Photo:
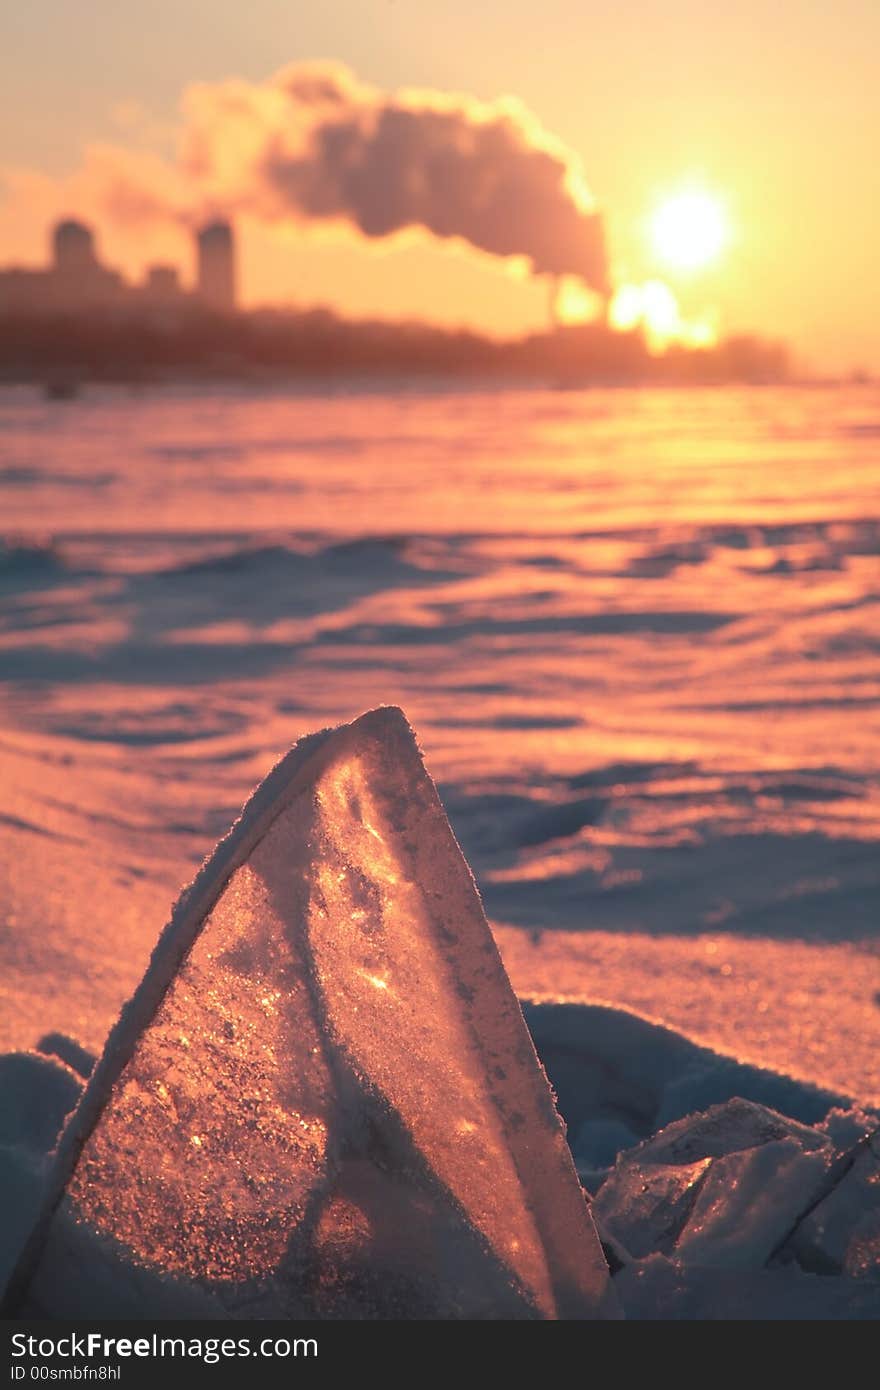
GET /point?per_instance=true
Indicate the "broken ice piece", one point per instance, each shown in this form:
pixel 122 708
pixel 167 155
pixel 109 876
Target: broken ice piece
pixel 724 1129
pixel 644 1206
pixel 660 1288
pixel 694 1174
pixel 842 1233
pixel 322 1100
pixel 749 1202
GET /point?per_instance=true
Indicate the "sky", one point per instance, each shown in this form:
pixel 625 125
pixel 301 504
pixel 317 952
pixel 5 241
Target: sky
pixel 771 107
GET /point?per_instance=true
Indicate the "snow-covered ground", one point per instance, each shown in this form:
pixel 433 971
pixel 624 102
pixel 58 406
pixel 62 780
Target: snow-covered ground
pixel 637 634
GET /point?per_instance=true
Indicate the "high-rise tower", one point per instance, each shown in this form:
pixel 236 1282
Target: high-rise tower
pixel 215 279
pixel 73 247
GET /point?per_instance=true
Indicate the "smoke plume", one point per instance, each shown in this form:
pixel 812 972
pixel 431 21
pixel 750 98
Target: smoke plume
pixel 315 145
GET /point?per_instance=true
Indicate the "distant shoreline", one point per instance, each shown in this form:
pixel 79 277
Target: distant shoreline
pixel 268 346
pixel 385 382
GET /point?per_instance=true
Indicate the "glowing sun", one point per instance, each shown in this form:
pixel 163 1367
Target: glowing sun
pixel 689 231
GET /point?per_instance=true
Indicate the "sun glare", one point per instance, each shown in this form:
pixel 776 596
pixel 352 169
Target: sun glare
pixel 689 231
pixel 653 307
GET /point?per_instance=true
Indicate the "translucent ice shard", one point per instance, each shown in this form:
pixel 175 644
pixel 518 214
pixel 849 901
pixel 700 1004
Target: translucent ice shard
pixel 722 1188
pixel 644 1206
pixel 749 1202
pixel 322 1100
pixel 841 1234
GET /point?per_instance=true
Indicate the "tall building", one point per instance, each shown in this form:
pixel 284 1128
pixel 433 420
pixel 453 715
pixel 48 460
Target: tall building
pixel 73 247
pixel 215 280
pixel 76 279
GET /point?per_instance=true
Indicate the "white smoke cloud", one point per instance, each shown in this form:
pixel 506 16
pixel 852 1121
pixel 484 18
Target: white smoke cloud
pixel 316 146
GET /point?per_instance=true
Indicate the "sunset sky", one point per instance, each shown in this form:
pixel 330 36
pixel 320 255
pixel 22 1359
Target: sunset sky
pixel 770 109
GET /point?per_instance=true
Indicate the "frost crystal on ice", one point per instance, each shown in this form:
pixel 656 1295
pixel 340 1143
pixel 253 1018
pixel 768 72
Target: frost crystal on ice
pixel 323 1100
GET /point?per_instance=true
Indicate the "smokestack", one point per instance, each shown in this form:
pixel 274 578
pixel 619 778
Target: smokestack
pixel 215 279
